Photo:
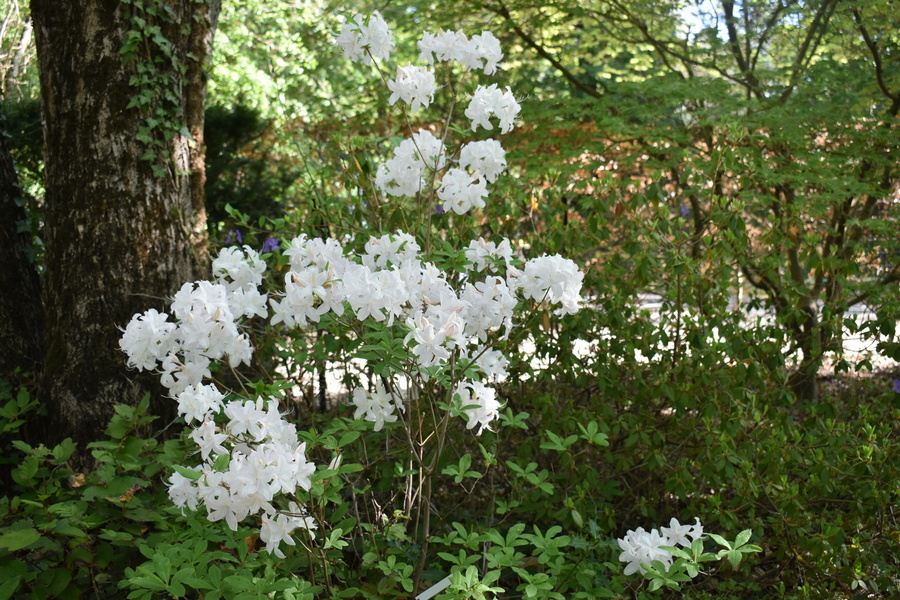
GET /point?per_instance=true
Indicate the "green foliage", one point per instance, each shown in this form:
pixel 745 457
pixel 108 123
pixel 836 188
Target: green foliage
pixel 241 168
pixel 159 72
pixel 68 534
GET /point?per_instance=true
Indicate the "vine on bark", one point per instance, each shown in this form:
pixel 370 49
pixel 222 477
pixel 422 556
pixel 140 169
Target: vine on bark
pixel 159 77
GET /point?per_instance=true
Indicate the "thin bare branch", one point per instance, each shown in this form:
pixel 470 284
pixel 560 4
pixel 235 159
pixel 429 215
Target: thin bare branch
pixel 501 10
pixel 872 45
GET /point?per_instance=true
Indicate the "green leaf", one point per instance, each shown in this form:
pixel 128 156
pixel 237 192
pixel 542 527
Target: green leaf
pixel 742 538
pixel 19 538
pixel 221 463
pixel 9 587
pixel 189 473
pixel 64 450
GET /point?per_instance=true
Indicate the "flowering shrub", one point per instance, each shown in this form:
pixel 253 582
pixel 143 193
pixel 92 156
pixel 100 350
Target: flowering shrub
pixel 431 320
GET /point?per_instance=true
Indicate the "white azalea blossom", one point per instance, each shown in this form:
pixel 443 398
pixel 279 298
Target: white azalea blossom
pixel 484 158
pixel 479 403
pixel 238 269
pixel 404 173
pixel 148 339
pixel 553 279
pixel 640 547
pixel 413 85
pixel 377 406
pixel 461 192
pixel 198 401
pixel 490 102
pixel 480 52
pixel 357 36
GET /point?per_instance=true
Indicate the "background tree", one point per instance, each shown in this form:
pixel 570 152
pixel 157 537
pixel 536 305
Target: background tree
pixel 770 126
pixel 122 98
pixel 20 308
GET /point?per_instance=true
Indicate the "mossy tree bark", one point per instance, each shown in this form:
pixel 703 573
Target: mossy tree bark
pixel 120 237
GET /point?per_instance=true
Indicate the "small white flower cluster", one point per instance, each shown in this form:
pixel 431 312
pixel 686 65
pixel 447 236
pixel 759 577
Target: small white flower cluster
pixel 360 35
pixel 640 548
pixel 414 85
pixel 481 52
pixel 479 403
pixel 490 101
pixel 555 280
pixel 464 187
pixel 376 407
pixel 404 173
pixel 206 327
pixel 264 459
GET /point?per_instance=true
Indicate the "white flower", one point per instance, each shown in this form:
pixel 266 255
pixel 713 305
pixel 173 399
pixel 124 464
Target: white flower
pixel 682 535
pixel 492 363
pixel 183 491
pixel 208 440
pixel 553 279
pixel 482 403
pixel 489 101
pixel 487 47
pixel 376 407
pixel 403 174
pixel 246 417
pixel 446 45
pixel 491 305
pixel 239 270
pixel 357 36
pixel 178 375
pixel 431 339
pixel 390 250
pixel 147 339
pixel 479 250
pixel 247 303
pixel 640 548
pixel 198 401
pixel 481 52
pixel 277 529
pixel 461 192
pixel 413 85
pixel 485 158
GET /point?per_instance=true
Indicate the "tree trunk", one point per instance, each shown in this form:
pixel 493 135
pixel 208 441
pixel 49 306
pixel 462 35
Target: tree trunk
pixel 122 233
pixel 804 381
pixel 21 315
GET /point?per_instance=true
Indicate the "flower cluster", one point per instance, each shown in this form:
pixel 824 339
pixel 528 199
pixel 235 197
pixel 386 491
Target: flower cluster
pixel 377 406
pixel 390 282
pixel 480 52
pixel 464 187
pixel 404 173
pixel 414 85
pixel 361 34
pixel 490 101
pixel 206 328
pixel 264 459
pixel 640 548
